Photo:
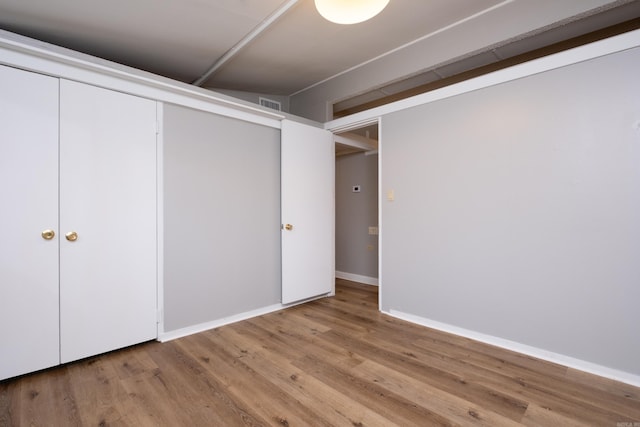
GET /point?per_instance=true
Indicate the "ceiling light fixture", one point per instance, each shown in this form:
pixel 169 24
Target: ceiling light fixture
pixel 350 11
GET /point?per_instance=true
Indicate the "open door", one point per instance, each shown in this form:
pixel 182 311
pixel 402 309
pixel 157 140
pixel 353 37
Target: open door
pixel 308 218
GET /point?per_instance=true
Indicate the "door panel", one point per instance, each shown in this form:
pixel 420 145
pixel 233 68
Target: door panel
pixel 29 193
pixel 108 197
pixel 308 205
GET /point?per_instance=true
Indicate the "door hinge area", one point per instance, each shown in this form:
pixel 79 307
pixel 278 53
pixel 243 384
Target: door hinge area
pixel 159 315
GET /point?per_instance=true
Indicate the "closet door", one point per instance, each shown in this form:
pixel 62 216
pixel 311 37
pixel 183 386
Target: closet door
pixel 107 220
pixel 29 195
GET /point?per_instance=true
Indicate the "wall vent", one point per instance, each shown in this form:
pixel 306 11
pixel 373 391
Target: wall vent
pixel 270 103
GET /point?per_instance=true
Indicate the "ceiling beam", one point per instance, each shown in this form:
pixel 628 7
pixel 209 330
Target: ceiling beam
pixel 253 34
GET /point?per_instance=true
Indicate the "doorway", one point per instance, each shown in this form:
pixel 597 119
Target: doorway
pixel 357 205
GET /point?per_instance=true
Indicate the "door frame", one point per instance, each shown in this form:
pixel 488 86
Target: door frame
pixel 354 126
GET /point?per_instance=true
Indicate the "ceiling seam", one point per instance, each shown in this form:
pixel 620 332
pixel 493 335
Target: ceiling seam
pixel 253 34
pixel 404 46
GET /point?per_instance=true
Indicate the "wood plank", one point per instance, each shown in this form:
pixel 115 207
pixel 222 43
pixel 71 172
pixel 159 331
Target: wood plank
pixel 449 377
pixel 44 397
pixel 197 397
pixel 396 407
pixel 336 408
pixel 97 382
pixel 249 387
pixel 133 361
pixel 320 347
pixel 449 406
pixel 537 416
pixel 611 387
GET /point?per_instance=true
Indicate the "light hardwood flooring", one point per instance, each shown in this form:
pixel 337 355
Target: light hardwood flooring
pixel 332 362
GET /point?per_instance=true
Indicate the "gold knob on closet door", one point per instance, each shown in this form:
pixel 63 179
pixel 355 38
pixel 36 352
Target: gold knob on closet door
pixel 288 227
pixel 71 236
pixel 48 234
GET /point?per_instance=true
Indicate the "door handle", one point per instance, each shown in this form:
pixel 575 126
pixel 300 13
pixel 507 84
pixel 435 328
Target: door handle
pixel 288 227
pixel 71 236
pixel 48 234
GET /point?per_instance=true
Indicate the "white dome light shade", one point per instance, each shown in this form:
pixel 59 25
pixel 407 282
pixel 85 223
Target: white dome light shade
pixel 350 11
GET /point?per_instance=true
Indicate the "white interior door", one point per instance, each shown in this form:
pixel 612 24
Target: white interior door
pixel 107 197
pixel 29 334
pixel 308 212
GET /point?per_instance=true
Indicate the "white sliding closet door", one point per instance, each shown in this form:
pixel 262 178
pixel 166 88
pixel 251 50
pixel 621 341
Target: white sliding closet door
pixel 29 194
pixel 108 198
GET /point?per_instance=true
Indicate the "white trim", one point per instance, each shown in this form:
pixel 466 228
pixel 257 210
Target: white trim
pixel 562 59
pixel 539 353
pixel 194 329
pixel 380 226
pixel 357 278
pixel 160 215
pixel 352 125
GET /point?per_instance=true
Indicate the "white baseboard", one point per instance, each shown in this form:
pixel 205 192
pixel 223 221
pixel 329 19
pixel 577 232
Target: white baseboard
pixel 201 327
pixel 357 278
pixel 561 359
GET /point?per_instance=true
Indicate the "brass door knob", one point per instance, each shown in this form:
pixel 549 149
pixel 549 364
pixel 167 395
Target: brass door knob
pixel 48 234
pixel 288 227
pixel 71 236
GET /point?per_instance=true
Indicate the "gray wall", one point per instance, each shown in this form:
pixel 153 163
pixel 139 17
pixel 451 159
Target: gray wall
pixel 221 217
pixel 517 211
pixel 356 250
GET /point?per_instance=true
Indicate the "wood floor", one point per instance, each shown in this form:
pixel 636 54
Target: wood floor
pixel 332 362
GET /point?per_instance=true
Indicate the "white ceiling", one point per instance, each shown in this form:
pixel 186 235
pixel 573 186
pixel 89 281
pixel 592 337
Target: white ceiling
pixel 180 39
